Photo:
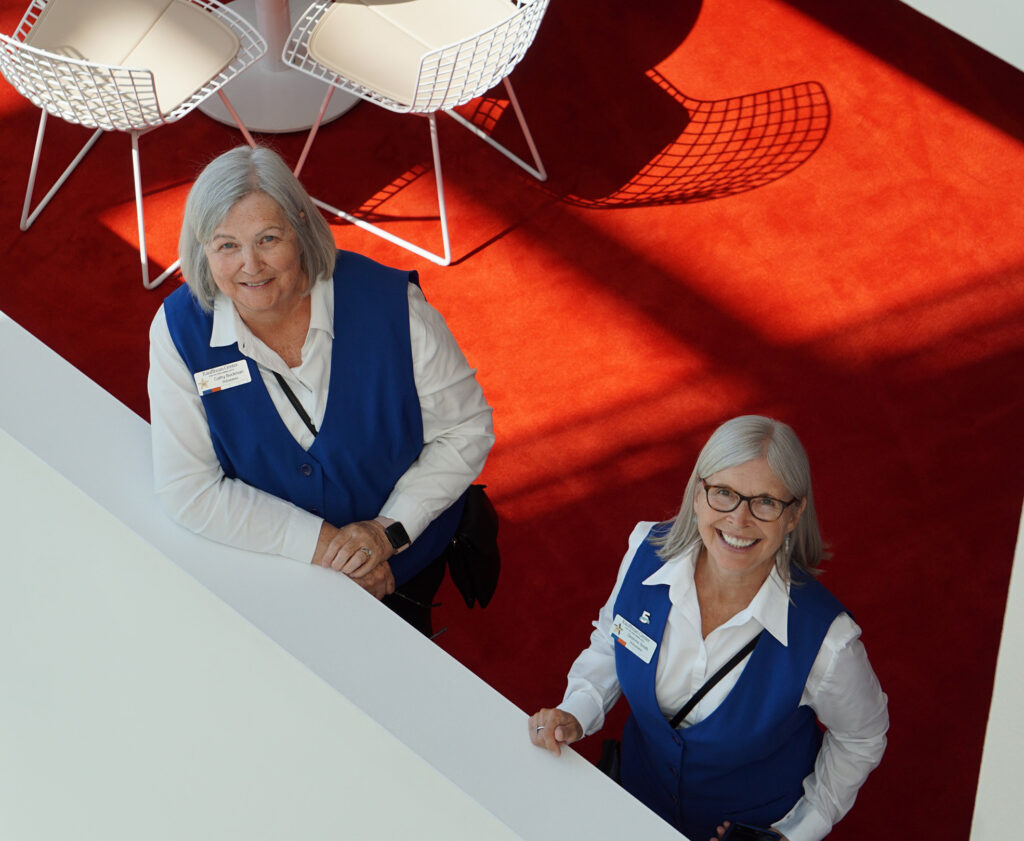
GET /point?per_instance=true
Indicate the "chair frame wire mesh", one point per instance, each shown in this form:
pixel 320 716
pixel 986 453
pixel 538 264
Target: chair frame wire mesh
pixel 448 77
pixel 109 97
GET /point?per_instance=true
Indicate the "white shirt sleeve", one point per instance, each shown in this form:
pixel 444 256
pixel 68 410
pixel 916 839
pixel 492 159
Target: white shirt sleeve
pixel 845 694
pixel 189 481
pixel 593 686
pixel 457 427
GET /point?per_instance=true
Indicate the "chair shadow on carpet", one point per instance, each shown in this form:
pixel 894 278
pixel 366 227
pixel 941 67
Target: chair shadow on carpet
pixel 727 146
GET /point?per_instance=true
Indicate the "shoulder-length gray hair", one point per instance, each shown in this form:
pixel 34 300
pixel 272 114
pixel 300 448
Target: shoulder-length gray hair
pixel 225 181
pixel 736 442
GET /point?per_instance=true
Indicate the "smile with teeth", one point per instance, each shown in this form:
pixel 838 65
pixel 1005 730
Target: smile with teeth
pixel 255 284
pixel 737 542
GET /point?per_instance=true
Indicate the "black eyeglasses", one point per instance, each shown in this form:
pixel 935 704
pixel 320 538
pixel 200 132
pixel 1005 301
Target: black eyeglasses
pixel 767 509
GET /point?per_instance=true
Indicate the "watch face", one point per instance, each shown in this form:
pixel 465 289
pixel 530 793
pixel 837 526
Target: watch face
pixel 397 535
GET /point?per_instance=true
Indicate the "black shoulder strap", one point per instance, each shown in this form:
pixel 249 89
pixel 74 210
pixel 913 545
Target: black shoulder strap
pixel 711 681
pixel 295 402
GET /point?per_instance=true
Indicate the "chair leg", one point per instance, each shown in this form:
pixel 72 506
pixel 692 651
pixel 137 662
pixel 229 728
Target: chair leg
pixel 312 132
pixel 441 260
pixel 537 170
pixel 442 209
pixel 140 218
pixel 236 118
pixel 27 217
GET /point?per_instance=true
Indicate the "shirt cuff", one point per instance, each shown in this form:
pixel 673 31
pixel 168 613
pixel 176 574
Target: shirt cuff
pixel 409 514
pixel 301 534
pixel 803 823
pixel 587 712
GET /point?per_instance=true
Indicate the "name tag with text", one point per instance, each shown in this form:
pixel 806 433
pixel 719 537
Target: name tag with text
pixel 222 377
pixel 627 634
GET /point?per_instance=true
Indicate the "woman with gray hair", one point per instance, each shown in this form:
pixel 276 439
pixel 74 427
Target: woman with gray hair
pixel 305 401
pixel 731 654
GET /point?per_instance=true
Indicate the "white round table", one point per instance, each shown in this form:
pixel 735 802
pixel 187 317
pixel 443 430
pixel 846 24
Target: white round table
pixel 270 96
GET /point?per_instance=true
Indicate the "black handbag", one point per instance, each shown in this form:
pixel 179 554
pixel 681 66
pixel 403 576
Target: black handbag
pixel 611 749
pixel 611 759
pixel 474 561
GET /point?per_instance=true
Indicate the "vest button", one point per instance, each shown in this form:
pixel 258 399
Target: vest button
pixel 306 470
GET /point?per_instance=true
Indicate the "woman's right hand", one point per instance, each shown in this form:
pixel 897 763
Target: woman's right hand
pixel 379 582
pixel 552 729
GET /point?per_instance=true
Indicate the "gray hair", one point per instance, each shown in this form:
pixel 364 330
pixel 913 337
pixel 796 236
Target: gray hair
pixel 225 181
pixel 736 442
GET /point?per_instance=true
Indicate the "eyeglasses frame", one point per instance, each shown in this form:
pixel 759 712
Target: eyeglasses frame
pixel 746 499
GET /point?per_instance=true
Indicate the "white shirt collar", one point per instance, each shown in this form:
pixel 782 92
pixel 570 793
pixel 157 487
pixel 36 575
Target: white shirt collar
pixel 226 322
pixel 769 607
pixel 321 316
pixel 228 326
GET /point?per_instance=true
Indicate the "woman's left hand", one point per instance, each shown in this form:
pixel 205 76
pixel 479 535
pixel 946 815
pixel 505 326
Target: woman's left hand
pixel 356 549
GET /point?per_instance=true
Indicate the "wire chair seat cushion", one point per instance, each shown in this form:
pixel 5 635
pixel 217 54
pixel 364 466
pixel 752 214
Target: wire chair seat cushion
pixel 127 73
pixel 104 31
pixel 421 56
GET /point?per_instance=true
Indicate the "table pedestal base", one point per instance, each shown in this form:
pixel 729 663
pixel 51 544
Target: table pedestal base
pixel 271 97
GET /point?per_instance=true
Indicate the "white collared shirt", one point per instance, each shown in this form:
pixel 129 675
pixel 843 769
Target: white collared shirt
pixel 188 477
pixel 842 688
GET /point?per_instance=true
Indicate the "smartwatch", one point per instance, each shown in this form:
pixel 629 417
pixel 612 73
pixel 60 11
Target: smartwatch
pixel 397 536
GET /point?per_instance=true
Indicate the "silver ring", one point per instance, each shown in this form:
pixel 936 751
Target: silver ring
pixel 365 551
pixel 539 728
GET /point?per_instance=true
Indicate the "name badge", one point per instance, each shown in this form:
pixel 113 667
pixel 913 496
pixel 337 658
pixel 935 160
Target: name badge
pixel 635 640
pixel 222 377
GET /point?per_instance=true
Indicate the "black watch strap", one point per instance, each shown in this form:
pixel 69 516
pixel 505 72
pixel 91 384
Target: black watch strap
pixel 397 536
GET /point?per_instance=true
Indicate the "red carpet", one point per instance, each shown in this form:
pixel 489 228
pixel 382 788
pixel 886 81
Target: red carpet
pixel 753 207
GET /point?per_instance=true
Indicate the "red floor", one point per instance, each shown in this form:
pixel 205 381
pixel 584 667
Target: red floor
pixel 753 207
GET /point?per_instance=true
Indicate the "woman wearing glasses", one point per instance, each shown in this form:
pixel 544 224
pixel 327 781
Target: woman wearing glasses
pixel 730 654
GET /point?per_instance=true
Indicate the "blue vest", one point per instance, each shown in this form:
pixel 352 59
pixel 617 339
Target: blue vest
pixel 372 429
pixel 748 759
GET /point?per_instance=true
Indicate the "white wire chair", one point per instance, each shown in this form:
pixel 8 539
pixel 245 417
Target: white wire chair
pixel 198 46
pixel 418 57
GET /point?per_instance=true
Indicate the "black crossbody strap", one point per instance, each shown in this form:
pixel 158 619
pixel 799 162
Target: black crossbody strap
pixel 295 402
pixel 711 681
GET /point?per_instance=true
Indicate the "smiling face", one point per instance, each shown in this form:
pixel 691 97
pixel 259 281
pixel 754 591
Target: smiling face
pixel 254 259
pixel 737 543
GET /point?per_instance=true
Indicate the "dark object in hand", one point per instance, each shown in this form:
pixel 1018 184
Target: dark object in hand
pixel 746 832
